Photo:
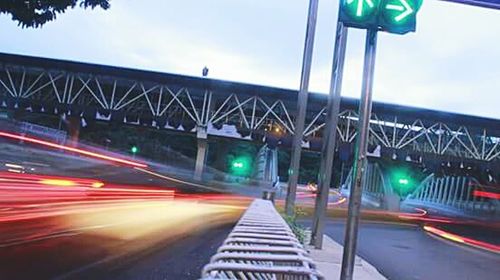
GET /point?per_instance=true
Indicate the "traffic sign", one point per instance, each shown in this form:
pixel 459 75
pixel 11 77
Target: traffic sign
pixel 359 13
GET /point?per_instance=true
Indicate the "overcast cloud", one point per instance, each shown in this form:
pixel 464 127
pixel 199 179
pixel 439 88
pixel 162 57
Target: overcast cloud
pixel 452 63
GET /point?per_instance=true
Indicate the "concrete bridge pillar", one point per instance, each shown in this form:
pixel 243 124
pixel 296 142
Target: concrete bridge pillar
pixel 267 165
pixel 73 124
pixel 201 155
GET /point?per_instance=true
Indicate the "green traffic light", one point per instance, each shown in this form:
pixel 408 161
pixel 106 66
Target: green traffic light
pixel 359 13
pixel 134 149
pixel 393 16
pixel 238 164
pixel 403 181
pixel 241 166
pixel 399 16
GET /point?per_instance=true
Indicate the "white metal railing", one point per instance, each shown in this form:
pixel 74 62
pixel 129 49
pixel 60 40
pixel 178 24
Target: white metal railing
pixel 261 246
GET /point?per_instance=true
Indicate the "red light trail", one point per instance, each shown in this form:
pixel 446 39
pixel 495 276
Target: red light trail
pixel 486 194
pixel 462 239
pixel 71 149
pixel 37 207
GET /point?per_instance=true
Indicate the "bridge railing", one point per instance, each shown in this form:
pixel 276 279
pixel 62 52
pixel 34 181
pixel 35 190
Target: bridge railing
pixel 454 192
pixel 261 246
pixel 375 186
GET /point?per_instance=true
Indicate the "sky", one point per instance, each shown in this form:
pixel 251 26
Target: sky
pixel 452 62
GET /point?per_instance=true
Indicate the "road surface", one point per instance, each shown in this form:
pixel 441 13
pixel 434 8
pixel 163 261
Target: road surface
pixel 78 257
pixel 404 252
pixel 69 217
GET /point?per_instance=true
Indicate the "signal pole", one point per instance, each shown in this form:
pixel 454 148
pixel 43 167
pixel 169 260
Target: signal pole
pixel 365 109
pixel 330 135
pixel 293 171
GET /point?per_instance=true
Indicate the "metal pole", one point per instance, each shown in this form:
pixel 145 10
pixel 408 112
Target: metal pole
pixel 293 172
pixel 329 138
pixel 365 107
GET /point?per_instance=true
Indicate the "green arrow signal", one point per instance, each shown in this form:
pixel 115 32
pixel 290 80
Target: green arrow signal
pixel 393 16
pixel 360 6
pixel 403 7
pixel 359 13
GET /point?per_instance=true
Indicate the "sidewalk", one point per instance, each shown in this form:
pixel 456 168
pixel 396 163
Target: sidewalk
pixel 329 261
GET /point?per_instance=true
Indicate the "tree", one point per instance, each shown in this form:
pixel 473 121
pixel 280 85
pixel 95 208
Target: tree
pixel 35 13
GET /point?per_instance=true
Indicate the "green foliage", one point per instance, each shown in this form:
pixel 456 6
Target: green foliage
pixel 297 229
pixel 35 13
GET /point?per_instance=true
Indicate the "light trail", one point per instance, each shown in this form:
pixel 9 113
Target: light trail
pixel 36 179
pixel 308 193
pixel 486 194
pixel 150 172
pixel 73 205
pixel 71 149
pixel 462 239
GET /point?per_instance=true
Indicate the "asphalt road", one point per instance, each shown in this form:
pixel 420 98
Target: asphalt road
pixel 86 257
pixel 149 238
pixel 403 252
pixel 182 259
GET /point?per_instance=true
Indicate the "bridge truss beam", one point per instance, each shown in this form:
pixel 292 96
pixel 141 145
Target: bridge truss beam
pixel 174 105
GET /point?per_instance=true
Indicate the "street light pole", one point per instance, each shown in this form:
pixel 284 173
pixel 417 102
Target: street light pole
pixel 293 172
pixel 330 135
pixel 365 108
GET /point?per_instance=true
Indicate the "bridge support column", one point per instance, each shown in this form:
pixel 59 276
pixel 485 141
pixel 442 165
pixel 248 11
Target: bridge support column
pixel 73 124
pixel 267 166
pixel 201 155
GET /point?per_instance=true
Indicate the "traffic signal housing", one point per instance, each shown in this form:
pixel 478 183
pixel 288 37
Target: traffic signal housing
pixel 359 13
pixel 393 16
pixel 398 16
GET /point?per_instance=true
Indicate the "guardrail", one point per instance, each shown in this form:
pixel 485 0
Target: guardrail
pixel 261 246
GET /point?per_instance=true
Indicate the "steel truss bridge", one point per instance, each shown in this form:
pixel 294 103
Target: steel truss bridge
pixel 450 194
pixel 214 107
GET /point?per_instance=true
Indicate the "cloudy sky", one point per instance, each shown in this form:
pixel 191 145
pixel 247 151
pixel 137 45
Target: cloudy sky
pixel 451 63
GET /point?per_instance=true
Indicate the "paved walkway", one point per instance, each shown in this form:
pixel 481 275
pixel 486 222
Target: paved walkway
pixel 329 261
